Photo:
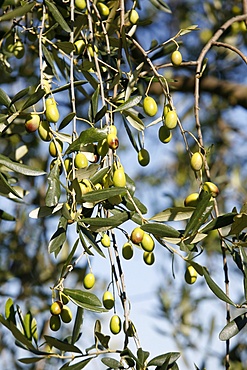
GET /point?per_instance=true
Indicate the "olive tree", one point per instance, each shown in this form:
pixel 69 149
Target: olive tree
pixel 79 78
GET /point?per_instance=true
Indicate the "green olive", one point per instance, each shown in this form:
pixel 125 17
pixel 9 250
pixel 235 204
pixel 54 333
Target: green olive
pixel 149 258
pixel 137 235
pixel 108 300
pixel 54 148
pixel 103 9
pixel 19 49
pixel 190 275
pixel 147 243
pixel 105 240
pixel 80 4
pixel 127 251
pixel 143 157
pixel 171 119
pixel 66 314
pixel 56 308
pixel 119 178
pixel 81 160
pixel 210 187
pixel 51 112
pixel 133 16
pixel 55 323
pixel 115 324
pixel 176 58
pixel 196 161
pixel 112 141
pixel 32 123
pixel 191 200
pixel 102 148
pixel 150 106
pixel 79 46
pixel 165 135
pixel 89 281
pixel 44 131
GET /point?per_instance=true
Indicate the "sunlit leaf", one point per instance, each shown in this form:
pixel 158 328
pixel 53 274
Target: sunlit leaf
pixel 111 363
pixel 173 214
pixel 53 192
pixel 58 238
pixel 161 359
pixel 10 310
pixel 233 327
pixel 200 214
pixel 88 136
pixel 20 168
pixel 131 102
pixel 161 230
pixel 100 195
pixel 45 211
pixel 218 222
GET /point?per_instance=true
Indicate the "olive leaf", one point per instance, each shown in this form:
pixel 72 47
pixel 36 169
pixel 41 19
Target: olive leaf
pixel 233 327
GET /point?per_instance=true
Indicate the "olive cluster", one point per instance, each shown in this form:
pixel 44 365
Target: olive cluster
pixel 59 312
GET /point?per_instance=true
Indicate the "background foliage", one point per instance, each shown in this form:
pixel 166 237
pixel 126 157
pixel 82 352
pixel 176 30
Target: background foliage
pixel 50 232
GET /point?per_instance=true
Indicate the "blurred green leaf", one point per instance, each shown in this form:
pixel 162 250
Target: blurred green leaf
pixel 6 216
pixel 161 5
pixel 216 289
pixel 239 224
pixel 33 99
pixel 66 120
pixel 78 366
pixel 18 12
pixel 65 46
pixel 77 325
pixel 244 267
pixel 30 360
pixel 61 345
pixel 4 99
pixel 57 15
